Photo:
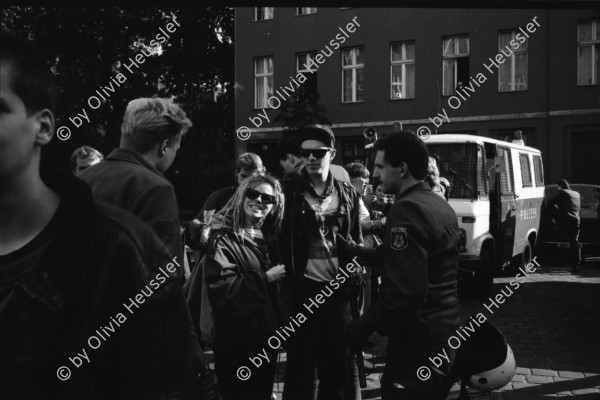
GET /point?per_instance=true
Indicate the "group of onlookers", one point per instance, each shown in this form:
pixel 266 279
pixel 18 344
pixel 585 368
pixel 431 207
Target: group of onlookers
pixel 92 267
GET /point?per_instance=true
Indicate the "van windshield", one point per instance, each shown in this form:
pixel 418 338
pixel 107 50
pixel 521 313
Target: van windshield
pixel 460 163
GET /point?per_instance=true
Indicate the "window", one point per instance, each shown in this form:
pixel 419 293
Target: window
pixel 353 74
pixel 402 70
pixel 353 150
pixel 525 170
pixel 262 13
pixel 506 172
pixel 588 40
pixel 512 76
pixel 306 10
pixel 309 70
pixel 538 170
pixel 263 81
pixel 455 61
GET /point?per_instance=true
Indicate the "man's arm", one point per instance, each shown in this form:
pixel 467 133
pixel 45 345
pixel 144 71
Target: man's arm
pixel 404 277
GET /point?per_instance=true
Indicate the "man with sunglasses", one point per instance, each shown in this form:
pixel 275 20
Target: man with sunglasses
pixel 317 206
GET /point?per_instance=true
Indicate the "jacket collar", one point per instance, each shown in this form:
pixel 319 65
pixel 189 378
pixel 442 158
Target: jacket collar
pixel 132 157
pixel 422 185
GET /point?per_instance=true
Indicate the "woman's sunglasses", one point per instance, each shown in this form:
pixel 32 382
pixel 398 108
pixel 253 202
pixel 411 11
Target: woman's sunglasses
pixel 318 153
pixel 264 198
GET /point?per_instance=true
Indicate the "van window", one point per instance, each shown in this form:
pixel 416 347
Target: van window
pixel 538 170
pixel 506 172
pixel 525 170
pixel 460 163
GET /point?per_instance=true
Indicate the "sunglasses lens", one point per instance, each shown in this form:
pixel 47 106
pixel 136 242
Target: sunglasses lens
pixel 318 153
pixel 264 198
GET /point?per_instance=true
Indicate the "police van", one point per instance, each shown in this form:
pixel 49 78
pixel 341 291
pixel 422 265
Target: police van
pixel 497 191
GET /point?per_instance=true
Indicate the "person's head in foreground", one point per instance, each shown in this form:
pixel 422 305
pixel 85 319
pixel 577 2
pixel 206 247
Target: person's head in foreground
pixel 154 128
pixel 84 157
pixel 27 93
pixel 401 161
pixel 317 149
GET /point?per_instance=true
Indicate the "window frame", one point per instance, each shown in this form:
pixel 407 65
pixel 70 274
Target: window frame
pixel 402 63
pixel 594 44
pixel 306 10
pixel 523 170
pixel 454 57
pixel 354 67
pixel 263 9
pixel 513 61
pixel 264 77
pixel 537 159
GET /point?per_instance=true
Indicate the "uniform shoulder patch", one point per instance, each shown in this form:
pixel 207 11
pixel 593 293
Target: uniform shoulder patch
pixel 398 238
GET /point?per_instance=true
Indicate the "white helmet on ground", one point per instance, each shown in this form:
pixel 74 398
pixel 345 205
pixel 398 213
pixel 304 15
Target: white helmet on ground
pixel 495 378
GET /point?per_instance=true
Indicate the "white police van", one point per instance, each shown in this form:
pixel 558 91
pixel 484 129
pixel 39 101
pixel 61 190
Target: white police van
pixel 497 190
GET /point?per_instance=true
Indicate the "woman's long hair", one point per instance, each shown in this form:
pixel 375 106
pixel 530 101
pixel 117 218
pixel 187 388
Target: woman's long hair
pixel 233 215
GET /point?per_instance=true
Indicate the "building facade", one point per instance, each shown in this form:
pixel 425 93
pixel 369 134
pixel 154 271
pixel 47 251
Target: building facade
pixel 476 71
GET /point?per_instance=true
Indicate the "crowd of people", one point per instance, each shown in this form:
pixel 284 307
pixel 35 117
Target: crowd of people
pixel 85 255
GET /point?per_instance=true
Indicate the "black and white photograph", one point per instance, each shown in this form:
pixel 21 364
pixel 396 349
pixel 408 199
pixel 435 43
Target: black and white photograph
pixel 222 202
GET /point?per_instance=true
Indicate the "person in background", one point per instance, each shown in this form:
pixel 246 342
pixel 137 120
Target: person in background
pixel 131 177
pixel 246 165
pixel 70 265
pixel 289 155
pixel 433 178
pixel 566 207
pixel 242 268
pixel 380 204
pixel 373 229
pixel 84 157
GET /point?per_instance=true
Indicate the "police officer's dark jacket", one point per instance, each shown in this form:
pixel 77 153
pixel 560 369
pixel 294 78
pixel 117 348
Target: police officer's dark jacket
pixel 294 235
pixel 418 304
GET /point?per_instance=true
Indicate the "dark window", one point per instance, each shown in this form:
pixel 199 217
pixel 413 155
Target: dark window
pixel 353 150
pixel 459 163
pixel 506 172
pixel 538 170
pixel 525 170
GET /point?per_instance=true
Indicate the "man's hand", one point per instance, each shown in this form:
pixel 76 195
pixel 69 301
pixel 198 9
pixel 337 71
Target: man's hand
pixel 276 273
pixel 195 226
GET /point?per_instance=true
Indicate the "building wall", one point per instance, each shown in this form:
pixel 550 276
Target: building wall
pixel 551 110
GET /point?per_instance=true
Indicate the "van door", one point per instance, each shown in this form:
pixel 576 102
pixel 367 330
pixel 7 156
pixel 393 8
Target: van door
pixel 505 203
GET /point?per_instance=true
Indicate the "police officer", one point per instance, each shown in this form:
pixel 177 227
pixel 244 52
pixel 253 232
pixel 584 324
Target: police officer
pixel 418 304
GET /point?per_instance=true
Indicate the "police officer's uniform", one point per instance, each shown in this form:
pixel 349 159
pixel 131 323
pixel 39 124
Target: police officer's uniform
pixel 418 304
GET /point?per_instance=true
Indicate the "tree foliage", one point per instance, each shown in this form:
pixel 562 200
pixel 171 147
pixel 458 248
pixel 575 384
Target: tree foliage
pixel 303 108
pixel 86 47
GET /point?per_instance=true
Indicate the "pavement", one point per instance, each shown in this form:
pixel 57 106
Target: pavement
pixel 552 323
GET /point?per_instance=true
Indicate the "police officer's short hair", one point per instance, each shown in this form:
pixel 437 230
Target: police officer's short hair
pixel 405 146
pixel 30 76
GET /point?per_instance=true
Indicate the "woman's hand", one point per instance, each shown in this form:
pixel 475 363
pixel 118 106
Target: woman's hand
pixel 276 273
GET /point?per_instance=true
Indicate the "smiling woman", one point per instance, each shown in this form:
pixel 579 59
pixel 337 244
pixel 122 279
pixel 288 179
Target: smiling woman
pixel 241 273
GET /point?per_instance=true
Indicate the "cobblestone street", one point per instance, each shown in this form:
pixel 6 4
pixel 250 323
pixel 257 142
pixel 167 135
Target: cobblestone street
pixel 552 323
